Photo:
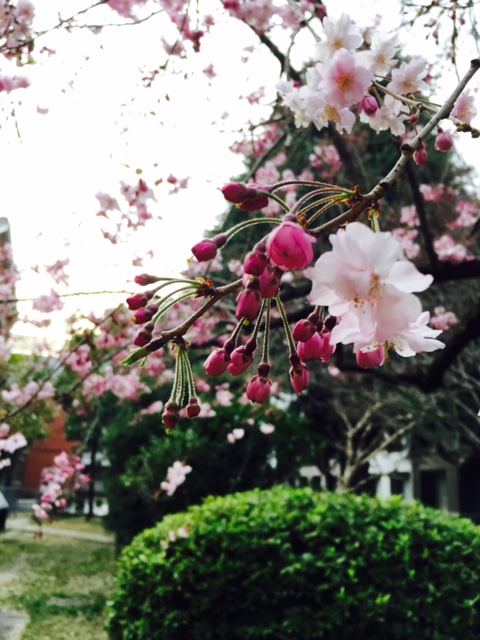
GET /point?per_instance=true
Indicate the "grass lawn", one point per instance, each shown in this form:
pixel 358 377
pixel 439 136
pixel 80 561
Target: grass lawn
pixel 62 583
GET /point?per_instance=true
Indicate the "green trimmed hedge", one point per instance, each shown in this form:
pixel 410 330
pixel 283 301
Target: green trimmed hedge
pixel 292 563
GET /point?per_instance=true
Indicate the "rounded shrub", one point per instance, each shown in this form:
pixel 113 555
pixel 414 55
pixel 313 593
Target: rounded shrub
pixel 296 564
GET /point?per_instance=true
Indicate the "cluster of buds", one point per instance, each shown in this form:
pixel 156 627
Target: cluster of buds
pixel 288 247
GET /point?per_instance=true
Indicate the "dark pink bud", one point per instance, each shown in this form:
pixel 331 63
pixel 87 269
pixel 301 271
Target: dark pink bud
pixel 234 192
pixel 193 408
pixel 443 141
pixel 139 300
pixel 420 156
pixel 328 349
pixel 144 335
pixel 369 359
pixel 146 314
pixel 217 362
pixel 258 389
pixel 246 197
pixel 205 250
pixel 304 330
pixel 255 263
pixel 170 415
pixel 248 304
pixel 311 349
pixel 270 281
pixel 300 377
pixel 145 279
pixel 329 323
pixel 240 360
pixel 290 247
pixel 369 105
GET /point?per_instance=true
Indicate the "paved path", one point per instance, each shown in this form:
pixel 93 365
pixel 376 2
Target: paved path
pixel 13 623
pixel 21 523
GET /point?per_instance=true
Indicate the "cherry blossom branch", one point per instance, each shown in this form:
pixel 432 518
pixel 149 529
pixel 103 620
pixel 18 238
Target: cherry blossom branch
pixel 71 295
pixel 61 362
pixel 303 20
pixel 378 192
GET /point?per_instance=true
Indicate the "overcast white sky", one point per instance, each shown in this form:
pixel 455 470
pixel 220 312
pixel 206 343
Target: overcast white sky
pixel 51 174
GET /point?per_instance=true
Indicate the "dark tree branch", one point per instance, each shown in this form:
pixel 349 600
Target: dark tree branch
pixel 422 215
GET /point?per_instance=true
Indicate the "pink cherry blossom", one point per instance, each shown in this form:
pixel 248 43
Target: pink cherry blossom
pixel 339 34
pixel 344 82
pixel 176 475
pixel 48 303
pixel 443 319
pixel 365 283
pixel 418 337
pixel 409 77
pixel 450 251
pixel 464 108
pixel 267 429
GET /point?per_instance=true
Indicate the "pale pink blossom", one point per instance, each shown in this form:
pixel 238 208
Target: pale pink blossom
pixel 339 34
pixel 409 77
pixel 417 338
pixel 236 434
pixel 443 319
pixel 464 108
pixel 176 475
pixel 267 428
pixel 468 215
pixel 48 303
pixel 450 251
pixel 381 57
pixel 152 409
pixel 368 285
pixel 344 82
pixel 409 216
pixel 13 442
pixel 406 238
pixel 390 116
pixel 224 397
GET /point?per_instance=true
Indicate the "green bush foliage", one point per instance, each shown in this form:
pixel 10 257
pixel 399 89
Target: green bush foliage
pixel 296 564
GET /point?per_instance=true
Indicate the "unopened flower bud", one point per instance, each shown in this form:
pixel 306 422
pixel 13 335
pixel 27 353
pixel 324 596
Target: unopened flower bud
pixel 303 330
pixel 255 263
pixel 329 323
pixel 258 389
pixel 205 250
pixel 139 300
pixel 290 247
pixel 217 362
pixel 145 279
pixel 246 197
pixel 193 408
pixel 370 358
pixel 270 281
pixel 300 377
pixel 146 314
pixel 240 360
pixel 311 349
pixel 144 335
pixel 248 305
pixel 443 141
pixel 420 156
pixel 369 105
pixel 170 415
